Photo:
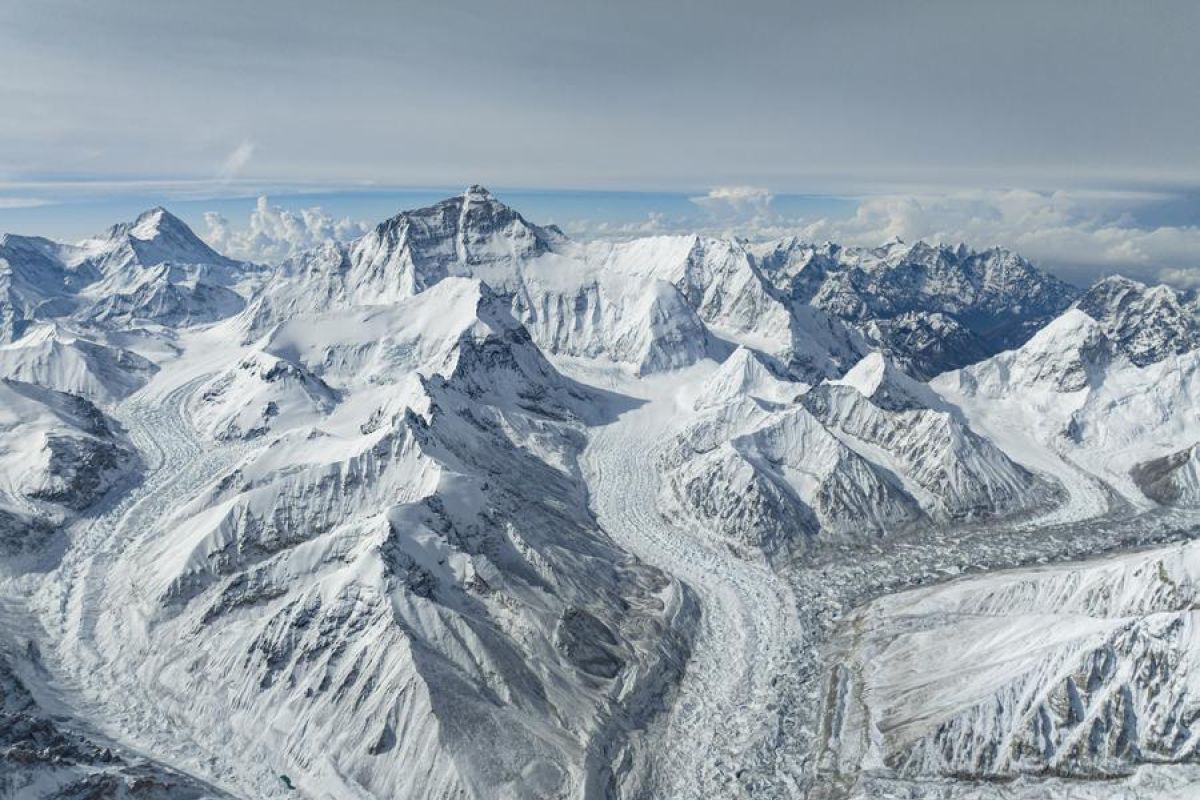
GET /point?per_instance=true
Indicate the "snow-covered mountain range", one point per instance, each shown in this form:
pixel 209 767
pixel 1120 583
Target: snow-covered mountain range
pixel 467 509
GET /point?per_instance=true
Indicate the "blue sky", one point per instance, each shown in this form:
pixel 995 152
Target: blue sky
pixel 68 219
pixel 1079 234
pixel 1065 130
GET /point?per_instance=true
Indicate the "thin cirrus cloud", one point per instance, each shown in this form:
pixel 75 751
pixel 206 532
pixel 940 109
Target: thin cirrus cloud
pixel 236 161
pixel 873 101
pixel 23 202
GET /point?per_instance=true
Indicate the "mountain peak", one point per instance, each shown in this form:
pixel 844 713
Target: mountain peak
pixel 451 237
pixel 477 192
pixel 876 378
pixel 1147 323
pixel 157 221
pixel 150 225
pixel 155 237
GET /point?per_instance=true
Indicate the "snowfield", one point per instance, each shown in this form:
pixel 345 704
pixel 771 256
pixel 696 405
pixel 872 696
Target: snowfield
pixel 466 509
pixel 1081 671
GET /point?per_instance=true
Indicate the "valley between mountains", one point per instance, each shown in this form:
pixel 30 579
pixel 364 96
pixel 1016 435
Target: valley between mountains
pixel 467 509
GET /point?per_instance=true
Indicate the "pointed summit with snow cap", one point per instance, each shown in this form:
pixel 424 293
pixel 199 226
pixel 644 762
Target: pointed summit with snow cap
pixel 905 427
pixel 746 373
pixel 460 236
pixel 880 381
pixel 158 222
pixel 156 237
pixel 477 192
pixel 1069 354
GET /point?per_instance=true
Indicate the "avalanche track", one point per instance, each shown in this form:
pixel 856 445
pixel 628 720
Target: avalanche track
pixel 726 703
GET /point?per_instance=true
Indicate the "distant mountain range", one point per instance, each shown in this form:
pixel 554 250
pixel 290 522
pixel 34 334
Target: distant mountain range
pixel 467 509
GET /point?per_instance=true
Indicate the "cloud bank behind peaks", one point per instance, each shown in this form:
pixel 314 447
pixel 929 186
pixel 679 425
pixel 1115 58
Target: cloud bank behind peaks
pixel 1081 235
pixel 275 233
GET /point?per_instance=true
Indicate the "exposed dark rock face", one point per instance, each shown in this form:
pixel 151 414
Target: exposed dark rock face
pixel 932 308
pixel 1146 324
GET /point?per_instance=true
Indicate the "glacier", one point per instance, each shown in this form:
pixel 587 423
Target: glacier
pixel 465 508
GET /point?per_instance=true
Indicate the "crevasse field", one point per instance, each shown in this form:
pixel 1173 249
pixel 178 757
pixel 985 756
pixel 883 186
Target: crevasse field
pixel 464 508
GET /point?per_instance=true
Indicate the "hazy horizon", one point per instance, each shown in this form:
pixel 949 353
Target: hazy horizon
pixel 1064 131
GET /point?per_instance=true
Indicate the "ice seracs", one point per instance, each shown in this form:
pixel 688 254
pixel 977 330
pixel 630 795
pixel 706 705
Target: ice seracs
pixel 467 509
pixel 41 755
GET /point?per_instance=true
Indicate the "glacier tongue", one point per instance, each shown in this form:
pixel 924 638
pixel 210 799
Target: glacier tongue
pixel 370 587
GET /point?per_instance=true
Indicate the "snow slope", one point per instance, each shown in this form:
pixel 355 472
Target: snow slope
pixel 1072 390
pixel 52 356
pixel 777 465
pixel 1078 671
pixel 60 456
pixel 466 509
pixel 373 585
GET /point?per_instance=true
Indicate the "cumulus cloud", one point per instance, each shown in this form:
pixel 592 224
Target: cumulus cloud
pixel 739 201
pixel 1082 230
pixel 236 161
pixel 274 233
pixel 1183 278
pixel 1080 234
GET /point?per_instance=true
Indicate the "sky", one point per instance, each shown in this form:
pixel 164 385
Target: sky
pixel 1064 129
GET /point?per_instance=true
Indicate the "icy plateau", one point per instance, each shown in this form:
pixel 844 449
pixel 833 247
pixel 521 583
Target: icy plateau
pixel 467 509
